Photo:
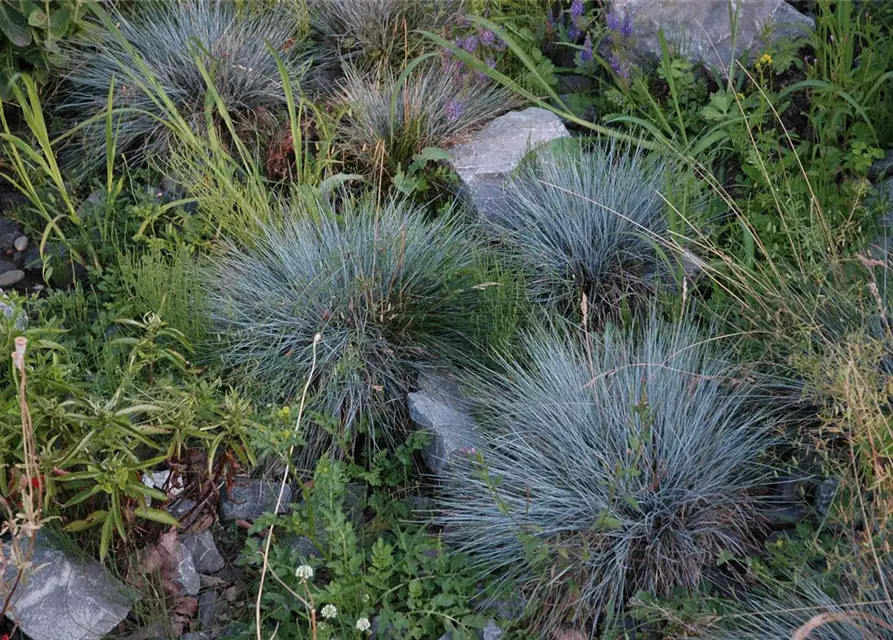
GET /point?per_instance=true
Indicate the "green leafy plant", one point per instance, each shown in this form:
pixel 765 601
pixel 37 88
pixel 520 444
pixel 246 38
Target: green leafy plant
pixel 32 33
pixel 344 578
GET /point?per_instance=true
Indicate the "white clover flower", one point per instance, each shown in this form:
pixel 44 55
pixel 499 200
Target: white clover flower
pixel 304 572
pixel 363 624
pixel 329 611
pixel 322 625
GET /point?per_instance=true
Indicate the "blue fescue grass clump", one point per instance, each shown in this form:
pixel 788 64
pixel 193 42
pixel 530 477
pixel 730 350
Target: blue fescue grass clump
pixel 859 606
pixel 613 464
pixel 586 221
pixel 392 118
pixel 386 287
pixel 174 40
pixel 367 33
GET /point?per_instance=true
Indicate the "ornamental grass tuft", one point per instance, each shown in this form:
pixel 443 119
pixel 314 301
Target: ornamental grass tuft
pixel 586 221
pixel 172 41
pixel 437 105
pixel 613 463
pixel 386 288
pixel 370 33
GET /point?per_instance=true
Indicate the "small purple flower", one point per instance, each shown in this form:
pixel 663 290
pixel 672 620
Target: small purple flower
pixel 551 19
pixel 614 23
pixel 468 451
pixel 480 77
pixel 491 62
pixel 488 37
pixel 586 53
pixel 626 29
pixel 470 44
pixel 619 65
pixel 576 12
pixel 453 110
pixel 500 44
pixel 573 33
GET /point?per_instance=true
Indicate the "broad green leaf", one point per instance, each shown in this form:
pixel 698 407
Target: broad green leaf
pixel 156 515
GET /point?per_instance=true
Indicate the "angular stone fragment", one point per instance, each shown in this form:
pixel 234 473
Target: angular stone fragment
pixel 485 162
pixel 701 30
pixel 205 556
pixel 439 408
pixel 249 499
pixel 64 597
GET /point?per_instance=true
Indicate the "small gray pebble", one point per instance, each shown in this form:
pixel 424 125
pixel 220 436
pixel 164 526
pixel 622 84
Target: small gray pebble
pixel 21 243
pixel 11 278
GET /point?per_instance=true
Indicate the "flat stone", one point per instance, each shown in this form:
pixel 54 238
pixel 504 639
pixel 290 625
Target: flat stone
pixel 7 241
pixel 8 200
pixel 11 278
pixel 485 163
pixel 825 494
pixel 574 83
pixel 205 556
pixel 491 632
pixel 882 168
pixel 20 243
pixel 6 265
pixel 65 597
pixel 701 30
pixel 250 499
pixel 439 408
pixel 207 610
pixel 187 575
pixel 785 516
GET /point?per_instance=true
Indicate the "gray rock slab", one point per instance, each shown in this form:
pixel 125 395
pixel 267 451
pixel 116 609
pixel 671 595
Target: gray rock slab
pixel 187 576
pixel 439 408
pixel 485 162
pixel 205 556
pixel 66 598
pixel 249 499
pixel 491 632
pixel 701 30
pixel 882 168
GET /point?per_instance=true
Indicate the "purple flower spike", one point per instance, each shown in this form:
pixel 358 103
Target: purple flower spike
pixel 453 111
pixel 586 53
pixel 491 62
pixel 576 12
pixel 626 29
pixel 573 33
pixel 470 44
pixel 488 37
pixel 619 65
